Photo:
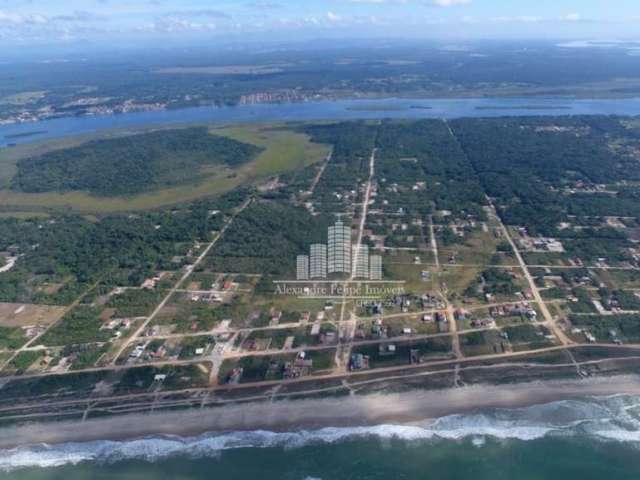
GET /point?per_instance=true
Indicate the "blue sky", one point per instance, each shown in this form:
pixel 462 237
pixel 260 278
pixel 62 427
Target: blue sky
pixel 44 21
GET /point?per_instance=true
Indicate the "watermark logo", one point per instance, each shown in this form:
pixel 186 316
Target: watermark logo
pixel 339 256
pixel 339 268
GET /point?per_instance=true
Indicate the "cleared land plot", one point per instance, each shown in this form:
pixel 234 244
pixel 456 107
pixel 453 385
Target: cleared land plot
pixel 22 315
pixel 528 337
pixel 475 247
pixel 483 343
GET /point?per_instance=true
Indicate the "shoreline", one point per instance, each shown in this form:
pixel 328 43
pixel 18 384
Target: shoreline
pixel 405 408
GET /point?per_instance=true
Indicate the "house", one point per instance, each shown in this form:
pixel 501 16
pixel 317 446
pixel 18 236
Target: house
pixel 235 375
pixel 386 350
pixel 328 338
pixel 137 352
pixel 359 361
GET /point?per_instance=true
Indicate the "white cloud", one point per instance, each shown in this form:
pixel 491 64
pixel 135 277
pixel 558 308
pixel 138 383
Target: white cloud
pixel 210 13
pixel 518 19
pixel 263 5
pixel 333 17
pixel 175 24
pixel 379 2
pixel 17 19
pixel 572 17
pixel 449 3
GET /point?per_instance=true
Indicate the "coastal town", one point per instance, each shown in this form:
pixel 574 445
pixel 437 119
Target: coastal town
pixel 356 276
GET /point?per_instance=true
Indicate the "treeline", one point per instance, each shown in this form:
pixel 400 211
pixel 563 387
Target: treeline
pixel 131 164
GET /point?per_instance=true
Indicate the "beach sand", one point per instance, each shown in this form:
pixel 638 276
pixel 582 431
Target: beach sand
pixel 397 408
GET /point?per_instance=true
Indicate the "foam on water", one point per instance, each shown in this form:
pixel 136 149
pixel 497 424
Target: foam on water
pixel 614 418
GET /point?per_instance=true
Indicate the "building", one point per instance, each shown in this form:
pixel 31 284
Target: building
pixel 339 253
pixel 318 261
pixel 375 267
pixel 303 267
pixel 361 261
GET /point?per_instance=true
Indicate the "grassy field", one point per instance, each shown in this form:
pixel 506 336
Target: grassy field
pixel 18 315
pixel 284 150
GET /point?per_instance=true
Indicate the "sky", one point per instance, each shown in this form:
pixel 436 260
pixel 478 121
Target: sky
pixel 121 21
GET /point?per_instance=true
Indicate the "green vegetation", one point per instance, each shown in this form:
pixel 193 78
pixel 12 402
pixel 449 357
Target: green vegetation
pixel 140 379
pixel 133 164
pixel 278 151
pixel 76 251
pixel 25 359
pixel 492 281
pixel 526 163
pixel 425 151
pixel 135 302
pixel 11 338
pixel 527 337
pixel 421 350
pixel 189 346
pixel 84 356
pixel 426 172
pixel 81 325
pixel 266 238
pixel 606 328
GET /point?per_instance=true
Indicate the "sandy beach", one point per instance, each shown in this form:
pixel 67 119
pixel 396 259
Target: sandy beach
pixel 402 408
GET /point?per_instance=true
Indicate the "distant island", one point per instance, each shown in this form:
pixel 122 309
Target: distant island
pixel 12 136
pixel 523 107
pixel 377 108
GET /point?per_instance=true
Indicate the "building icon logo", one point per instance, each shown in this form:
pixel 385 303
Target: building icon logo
pixel 339 256
pixel 339 248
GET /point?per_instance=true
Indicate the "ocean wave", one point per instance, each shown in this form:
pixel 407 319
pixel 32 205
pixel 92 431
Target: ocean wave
pixel 615 418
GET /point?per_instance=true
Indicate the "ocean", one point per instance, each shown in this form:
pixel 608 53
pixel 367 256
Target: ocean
pixel 590 438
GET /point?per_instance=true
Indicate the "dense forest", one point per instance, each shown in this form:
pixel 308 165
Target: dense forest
pixel 131 164
pixel 529 165
pixel 425 151
pixel 79 251
pixel 352 144
pixel 267 237
pixel 407 152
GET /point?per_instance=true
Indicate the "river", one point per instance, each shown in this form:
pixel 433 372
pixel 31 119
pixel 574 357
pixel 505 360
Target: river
pixel 325 110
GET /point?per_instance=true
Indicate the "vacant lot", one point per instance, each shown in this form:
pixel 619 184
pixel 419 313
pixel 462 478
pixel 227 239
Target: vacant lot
pixel 20 315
